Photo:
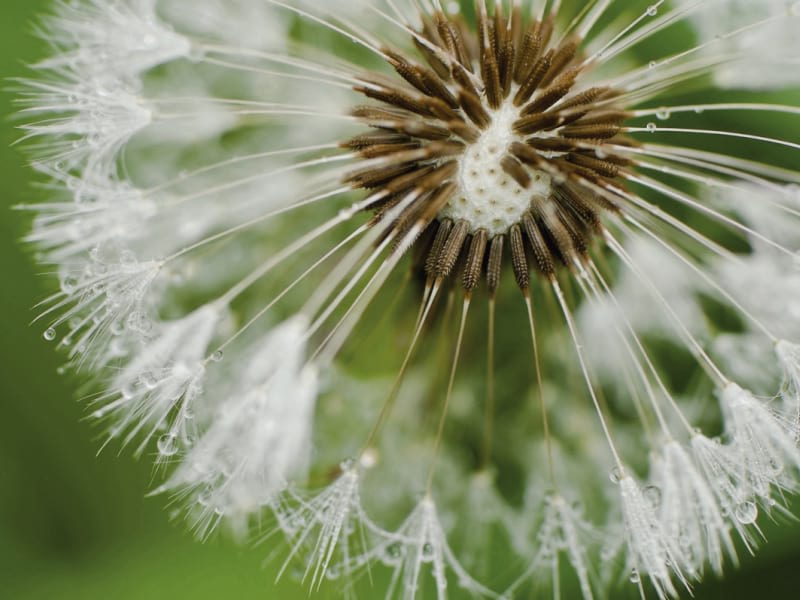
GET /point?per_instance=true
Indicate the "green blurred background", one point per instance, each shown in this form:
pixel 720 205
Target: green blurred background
pixel 77 525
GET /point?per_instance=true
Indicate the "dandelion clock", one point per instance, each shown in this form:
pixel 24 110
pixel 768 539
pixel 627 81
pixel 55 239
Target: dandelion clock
pixel 435 299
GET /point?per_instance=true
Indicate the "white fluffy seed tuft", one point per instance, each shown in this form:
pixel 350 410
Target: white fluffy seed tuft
pixel 689 512
pixel 763 442
pixel 103 39
pixel 789 359
pixel 563 532
pixel 765 56
pixel 326 529
pixel 652 551
pixel 418 544
pixel 159 388
pixel 258 439
pixel 95 120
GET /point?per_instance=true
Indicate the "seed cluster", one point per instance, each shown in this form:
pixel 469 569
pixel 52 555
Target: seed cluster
pixel 431 147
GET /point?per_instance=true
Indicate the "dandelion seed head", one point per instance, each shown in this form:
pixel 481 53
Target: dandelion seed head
pixel 408 282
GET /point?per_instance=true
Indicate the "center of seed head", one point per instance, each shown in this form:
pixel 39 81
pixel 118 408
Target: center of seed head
pixel 488 197
pixel 491 145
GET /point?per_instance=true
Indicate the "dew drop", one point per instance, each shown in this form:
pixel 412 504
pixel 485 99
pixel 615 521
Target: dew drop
pixel 128 391
pixel 149 380
pixel 168 444
pixel 394 551
pixel 427 551
pixel 663 114
pixel 346 213
pixel 775 466
pixel 138 322
pixel 333 572
pixel 651 127
pixel 297 522
pixel 133 320
pixel 69 284
pixel 217 356
pixel 746 513
pixel 49 334
pixel 652 64
pixel 652 10
pixel 635 577
pixel 616 475
pixel 652 494
pixel 369 458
